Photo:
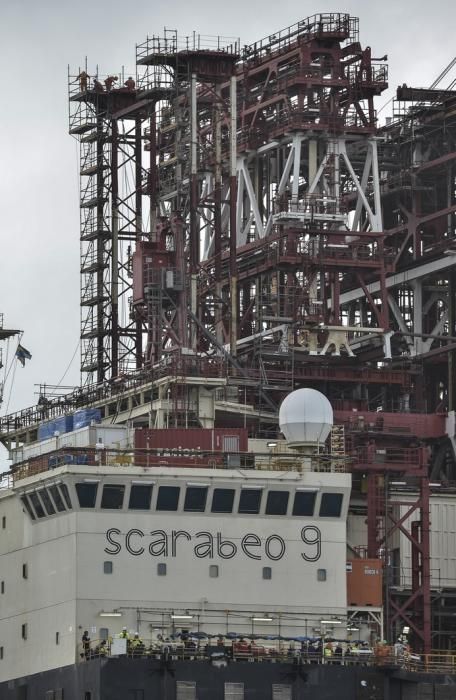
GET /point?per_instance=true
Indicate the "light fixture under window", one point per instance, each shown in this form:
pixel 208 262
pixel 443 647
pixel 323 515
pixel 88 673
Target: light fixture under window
pixel 112 613
pixel 330 622
pixel 181 617
pixel 352 629
pixel 261 619
pixel 271 444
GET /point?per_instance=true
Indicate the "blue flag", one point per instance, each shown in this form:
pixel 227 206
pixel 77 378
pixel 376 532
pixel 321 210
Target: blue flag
pixel 23 354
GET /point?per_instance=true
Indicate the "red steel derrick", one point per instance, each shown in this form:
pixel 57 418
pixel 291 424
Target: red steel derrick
pixel 267 176
pixel 305 150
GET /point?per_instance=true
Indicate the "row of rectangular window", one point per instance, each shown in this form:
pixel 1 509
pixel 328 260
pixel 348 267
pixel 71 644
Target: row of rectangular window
pixel 162 570
pixel 195 500
pixel 214 571
pixel 48 501
pixel 108 568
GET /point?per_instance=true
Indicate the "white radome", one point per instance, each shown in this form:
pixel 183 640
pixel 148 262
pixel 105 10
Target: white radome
pixel 305 417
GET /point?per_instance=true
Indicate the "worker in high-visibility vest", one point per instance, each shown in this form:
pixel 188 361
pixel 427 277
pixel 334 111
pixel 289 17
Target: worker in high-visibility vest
pixel 137 645
pixel 328 651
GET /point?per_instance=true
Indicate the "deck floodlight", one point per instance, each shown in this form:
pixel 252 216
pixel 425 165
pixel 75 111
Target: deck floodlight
pixel 330 622
pixel 113 613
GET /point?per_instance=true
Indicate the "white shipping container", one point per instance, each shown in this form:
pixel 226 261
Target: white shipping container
pixel 442 543
pixel 35 449
pixel 114 437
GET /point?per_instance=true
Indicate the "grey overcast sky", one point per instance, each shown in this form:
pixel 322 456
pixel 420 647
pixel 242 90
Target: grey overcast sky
pixel 39 260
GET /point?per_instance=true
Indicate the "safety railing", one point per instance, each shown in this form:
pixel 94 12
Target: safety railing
pixel 85 84
pixel 406 457
pixel 90 161
pixel 95 457
pixel 284 650
pixel 336 24
pixel 170 43
pixel 171 366
pixel 318 247
pixel 91 294
pixel 314 204
pixel 164 278
pixel 312 72
pixel 6 480
pixel 91 261
pixel 425 426
pixel 172 457
pixel 156 78
pixel 375 73
pixel 90 225
pixel 92 194
pixel 290 76
pixel 354 120
pixel 300 118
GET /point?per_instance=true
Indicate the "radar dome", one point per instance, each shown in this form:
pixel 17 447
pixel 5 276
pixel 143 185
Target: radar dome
pixel 305 417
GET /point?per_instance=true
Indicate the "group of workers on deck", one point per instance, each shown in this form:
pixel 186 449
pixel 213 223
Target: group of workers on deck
pixel 109 83
pixel 309 651
pixel 135 645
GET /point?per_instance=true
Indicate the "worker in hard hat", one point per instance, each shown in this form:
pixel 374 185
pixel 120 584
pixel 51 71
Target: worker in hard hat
pixel 109 82
pixel 124 635
pixel 130 84
pixel 137 645
pixel 83 78
pixel 86 651
pixel 328 652
pixel 102 648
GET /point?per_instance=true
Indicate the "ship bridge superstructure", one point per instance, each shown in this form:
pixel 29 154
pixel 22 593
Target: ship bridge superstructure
pixel 109 532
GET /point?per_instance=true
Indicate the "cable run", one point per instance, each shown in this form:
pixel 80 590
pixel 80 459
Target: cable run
pixel 69 364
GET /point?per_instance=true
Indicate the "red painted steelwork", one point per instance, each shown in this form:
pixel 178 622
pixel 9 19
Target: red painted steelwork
pixel 181 439
pixel 422 426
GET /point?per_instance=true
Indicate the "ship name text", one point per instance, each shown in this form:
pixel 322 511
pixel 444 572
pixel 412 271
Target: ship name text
pixel 160 543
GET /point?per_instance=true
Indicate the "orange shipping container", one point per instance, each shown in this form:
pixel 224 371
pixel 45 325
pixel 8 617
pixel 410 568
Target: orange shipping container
pixel 365 582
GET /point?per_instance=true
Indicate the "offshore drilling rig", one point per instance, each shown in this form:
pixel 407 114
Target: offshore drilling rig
pixel 247 229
